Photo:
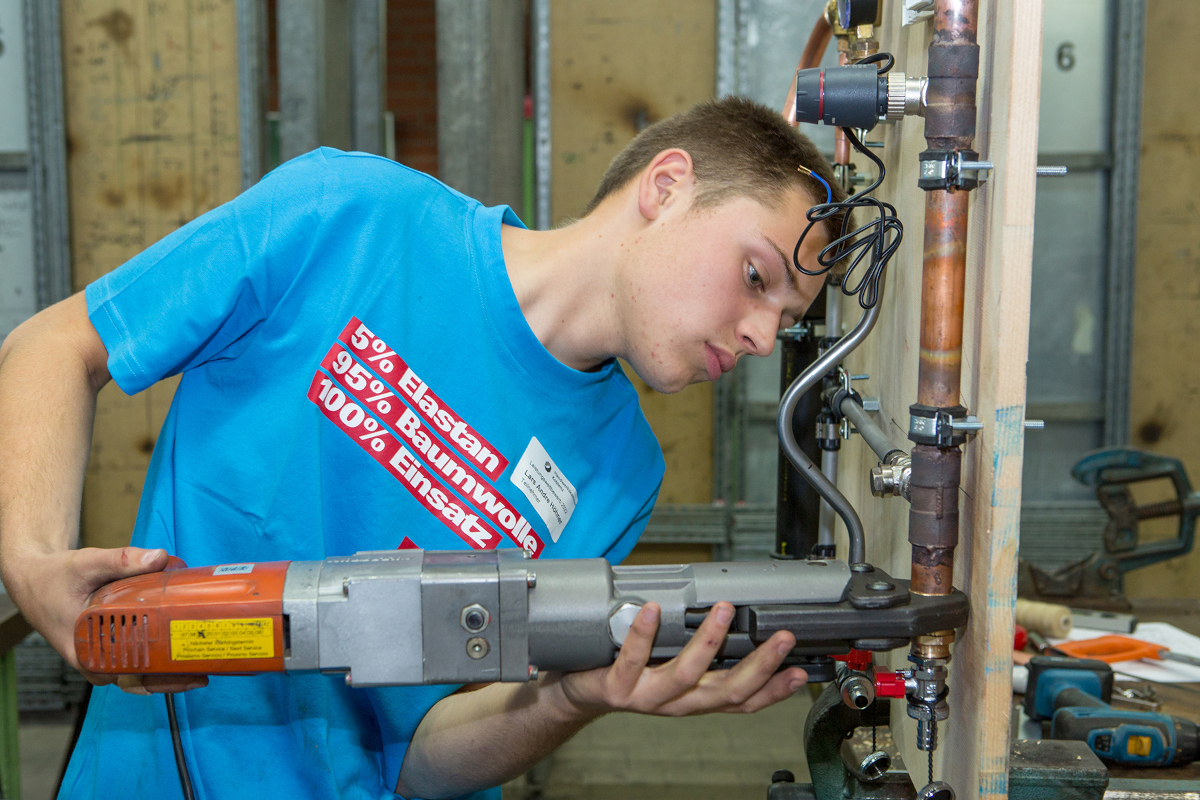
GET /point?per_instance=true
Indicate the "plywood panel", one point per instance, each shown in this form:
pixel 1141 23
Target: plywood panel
pixel 1165 376
pixel 683 423
pixel 974 741
pixel 616 66
pixel 152 135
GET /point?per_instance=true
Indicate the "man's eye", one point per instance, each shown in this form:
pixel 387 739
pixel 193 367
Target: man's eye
pixel 755 278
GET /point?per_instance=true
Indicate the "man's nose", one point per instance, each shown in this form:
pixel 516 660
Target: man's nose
pixel 756 332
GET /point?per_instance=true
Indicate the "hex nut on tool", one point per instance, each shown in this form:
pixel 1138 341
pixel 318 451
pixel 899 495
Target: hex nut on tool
pixel 477 647
pixel 474 618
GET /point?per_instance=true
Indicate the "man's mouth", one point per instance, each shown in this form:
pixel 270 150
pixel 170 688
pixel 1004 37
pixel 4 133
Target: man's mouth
pixel 717 361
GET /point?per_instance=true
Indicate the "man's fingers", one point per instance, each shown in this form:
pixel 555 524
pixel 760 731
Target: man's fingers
pixel 779 687
pixel 635 650
pixel 730 690
pixel 697 655
pixel 765 660
pixel 98 566
pixel 174 683
pixel 719 692
pixel 756 670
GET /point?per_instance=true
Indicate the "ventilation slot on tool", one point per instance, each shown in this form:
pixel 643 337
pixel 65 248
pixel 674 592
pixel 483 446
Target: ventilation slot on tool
pixel 112 644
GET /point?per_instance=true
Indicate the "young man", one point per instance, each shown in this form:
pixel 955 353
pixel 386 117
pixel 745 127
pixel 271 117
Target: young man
pixel 369 361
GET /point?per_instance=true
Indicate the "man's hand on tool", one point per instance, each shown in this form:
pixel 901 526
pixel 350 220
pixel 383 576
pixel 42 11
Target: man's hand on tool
pixel 51 369
pixel 52 590
pixel 684 685
pixel 445 757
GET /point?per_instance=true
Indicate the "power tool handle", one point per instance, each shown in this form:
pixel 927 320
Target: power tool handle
pixel 1141 738
pixel 1077 698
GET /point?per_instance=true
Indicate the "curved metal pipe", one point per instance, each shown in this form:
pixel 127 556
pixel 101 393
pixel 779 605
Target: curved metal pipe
pixel 791 448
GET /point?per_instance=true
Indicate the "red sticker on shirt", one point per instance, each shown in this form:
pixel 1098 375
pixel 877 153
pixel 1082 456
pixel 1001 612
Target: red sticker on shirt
pixel 371 393
pixel 400 378
pixel 334 402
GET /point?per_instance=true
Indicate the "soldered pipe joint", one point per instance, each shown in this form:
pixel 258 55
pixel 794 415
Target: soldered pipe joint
pixel 933 517
pixel 950 97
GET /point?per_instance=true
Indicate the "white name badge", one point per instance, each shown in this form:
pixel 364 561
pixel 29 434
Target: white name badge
pixel 552 495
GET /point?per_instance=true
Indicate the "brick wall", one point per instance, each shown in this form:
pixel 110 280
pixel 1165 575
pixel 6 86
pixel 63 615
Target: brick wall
pixel 412 81
pixel 411 78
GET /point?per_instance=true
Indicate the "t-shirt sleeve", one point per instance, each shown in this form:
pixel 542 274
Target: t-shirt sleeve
pixel 625 542
pixel 195 294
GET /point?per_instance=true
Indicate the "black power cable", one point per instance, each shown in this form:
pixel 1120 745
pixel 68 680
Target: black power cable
pixel 876 241
pixel 184 778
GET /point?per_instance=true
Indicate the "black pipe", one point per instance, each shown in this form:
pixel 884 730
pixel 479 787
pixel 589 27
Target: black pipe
pixel 798 506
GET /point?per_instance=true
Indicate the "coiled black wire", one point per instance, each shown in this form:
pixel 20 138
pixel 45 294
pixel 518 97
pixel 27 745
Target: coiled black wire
pixel 875 242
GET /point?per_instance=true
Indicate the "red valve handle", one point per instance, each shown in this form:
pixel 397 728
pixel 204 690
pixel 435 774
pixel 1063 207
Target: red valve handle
pixel 889 684
pixel 856 659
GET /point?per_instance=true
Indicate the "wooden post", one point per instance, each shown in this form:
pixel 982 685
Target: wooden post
pixel 151 98
pixel 974 742
pixel 1166 352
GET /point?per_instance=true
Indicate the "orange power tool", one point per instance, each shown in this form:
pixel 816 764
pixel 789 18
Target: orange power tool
pixel 204 621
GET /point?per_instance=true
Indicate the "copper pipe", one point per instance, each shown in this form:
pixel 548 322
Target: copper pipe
pixel 953 70
pixel 814 51
pixel 949 127
pixel 818 41
pixel 943 278
pixel 933 517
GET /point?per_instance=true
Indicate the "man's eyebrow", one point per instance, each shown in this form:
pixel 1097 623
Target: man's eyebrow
pixel 787 272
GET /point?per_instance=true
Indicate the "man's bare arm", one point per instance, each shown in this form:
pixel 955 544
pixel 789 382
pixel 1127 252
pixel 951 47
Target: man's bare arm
pixel 51 369
pixel 473 740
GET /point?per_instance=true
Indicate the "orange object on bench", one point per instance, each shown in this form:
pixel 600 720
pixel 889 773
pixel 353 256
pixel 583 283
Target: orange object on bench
pixel 1111 649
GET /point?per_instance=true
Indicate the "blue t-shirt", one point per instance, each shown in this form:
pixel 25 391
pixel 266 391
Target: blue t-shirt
pixel 357 375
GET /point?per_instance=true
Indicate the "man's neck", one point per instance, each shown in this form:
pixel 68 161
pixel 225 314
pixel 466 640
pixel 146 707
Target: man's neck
pixel 566 281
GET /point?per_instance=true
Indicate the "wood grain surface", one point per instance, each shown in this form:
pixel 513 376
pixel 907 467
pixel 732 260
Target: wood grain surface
pixel 152 141
pixel 616 66
pixel 1165 373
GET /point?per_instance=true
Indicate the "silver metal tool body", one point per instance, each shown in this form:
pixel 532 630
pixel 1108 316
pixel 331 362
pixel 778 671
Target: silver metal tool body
pixel 414 617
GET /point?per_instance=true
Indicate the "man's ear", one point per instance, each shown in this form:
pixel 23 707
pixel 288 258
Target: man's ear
pixel 665 181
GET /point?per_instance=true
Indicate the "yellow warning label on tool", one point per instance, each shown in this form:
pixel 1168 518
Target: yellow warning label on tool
pixel 212 639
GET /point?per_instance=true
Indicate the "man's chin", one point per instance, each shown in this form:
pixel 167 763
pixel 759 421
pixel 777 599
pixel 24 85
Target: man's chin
pixel 667 384
pixel 677 383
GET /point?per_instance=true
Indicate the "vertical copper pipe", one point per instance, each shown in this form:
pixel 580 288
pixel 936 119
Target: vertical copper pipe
pixel 943 278
pixel 953 69
pixel 949 127
pixel 818 41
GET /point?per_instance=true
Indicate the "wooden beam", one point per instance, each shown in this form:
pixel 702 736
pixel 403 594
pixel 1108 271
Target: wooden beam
pixel 1166 351
pixel 151 97
pixel 974 742
pixel 617 66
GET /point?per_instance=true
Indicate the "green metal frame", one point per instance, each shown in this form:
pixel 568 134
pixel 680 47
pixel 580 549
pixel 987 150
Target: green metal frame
pixel 10 751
